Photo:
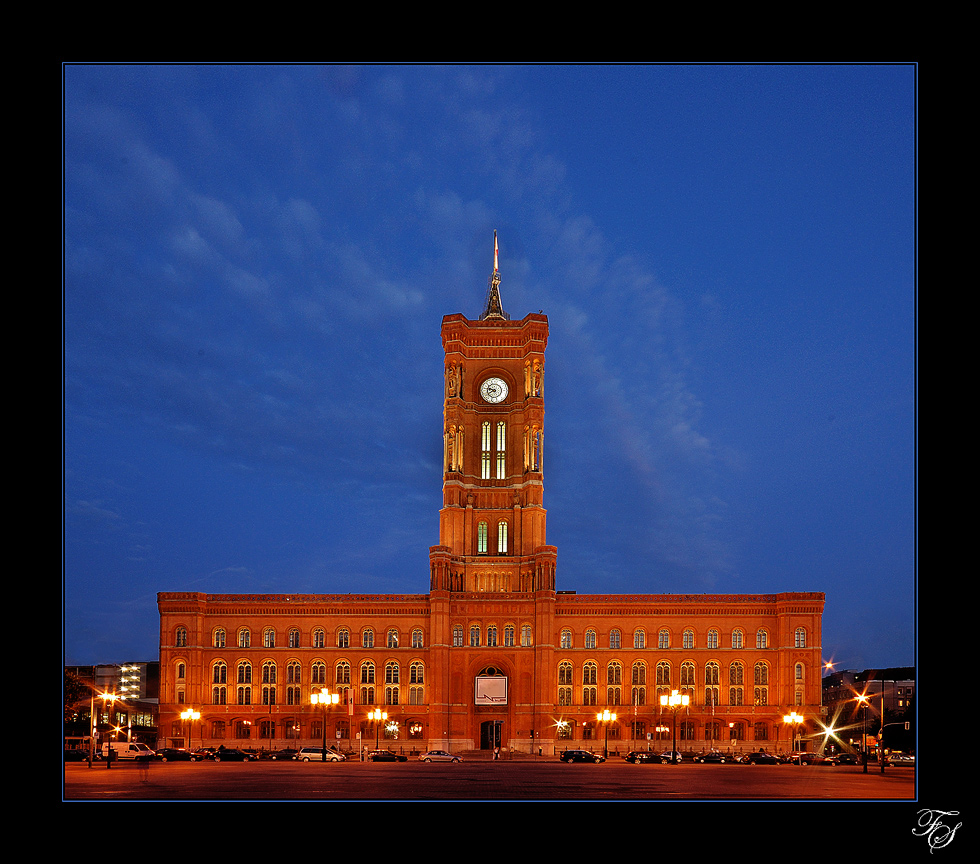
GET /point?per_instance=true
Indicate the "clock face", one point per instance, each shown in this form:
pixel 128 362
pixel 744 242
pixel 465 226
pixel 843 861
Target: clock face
pixel 493 390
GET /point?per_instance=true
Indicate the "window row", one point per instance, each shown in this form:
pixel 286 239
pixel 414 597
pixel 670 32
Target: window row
pixel 392 636
pixel 268 672
pixel 688 641
pixel 663 673
pixel 612 695
pixel 491 636
pixel 318 638
pixel 245 694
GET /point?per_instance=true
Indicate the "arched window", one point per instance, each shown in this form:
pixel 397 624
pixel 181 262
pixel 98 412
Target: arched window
pixel 736 673
pixel 590 673
pixel 799 671
pixel 639 673
pixel 293 672
pixel 663 639
pixel 367 672
pixel 319 638
pixel 392 639
pixel 762 639
pixel 244 638
pixel 268 638
pixel 244 673
pixel 367 638
pixel 481 538
pixel 219 672
pixel 663 672
pixel 687 674
pixel 737 639
pixel 343 638
pixel 392 672
pixel 688 638
pixel 218 640
pixel 566 638
pixel 564 673
pixel 639 639
pixel 492 635
pixel 457 637
pixel 712 673
pixel 712 638
pixel 294 638
pixel 590 641
pixel 614 673
pixel 341 672
pixel 501 448
pixel 485 451
pixel 268 673
pixel 615 640
pixel 417 638
pixel 416 673
pixel 509 636
pixel 474 637
pixel 502 537
pixel 527 636
pixel 180 637
pixel 800 637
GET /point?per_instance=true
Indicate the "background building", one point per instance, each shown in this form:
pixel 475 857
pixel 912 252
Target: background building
pixel 493 655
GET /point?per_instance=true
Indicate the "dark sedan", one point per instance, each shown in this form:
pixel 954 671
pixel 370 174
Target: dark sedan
pixel 581 756
pixel 638 757
pixel 386 756
pixel 225 754
pixel 172 754
pixel 759 758
pixel 844 759
pixel 715 758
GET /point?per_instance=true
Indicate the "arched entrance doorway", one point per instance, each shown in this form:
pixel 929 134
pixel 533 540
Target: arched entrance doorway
pixel 490 734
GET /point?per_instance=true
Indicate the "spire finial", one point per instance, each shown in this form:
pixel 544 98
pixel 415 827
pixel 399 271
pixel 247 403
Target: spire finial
pixel 493 308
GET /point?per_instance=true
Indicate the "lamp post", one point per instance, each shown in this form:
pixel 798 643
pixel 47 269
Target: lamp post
pixel 863 702
pixel 673 702
pixel 111 699
pixel 605 718
pixel 378 716
pixel 324 698
pixel 793 719
pixel 192 715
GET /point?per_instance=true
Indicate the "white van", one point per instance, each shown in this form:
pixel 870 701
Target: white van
pixel 315 754
pixel 126 750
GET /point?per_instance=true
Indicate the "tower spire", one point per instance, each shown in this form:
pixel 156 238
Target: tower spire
pixel 493 308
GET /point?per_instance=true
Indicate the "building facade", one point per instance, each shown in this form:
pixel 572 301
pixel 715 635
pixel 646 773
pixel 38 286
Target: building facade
pixel 494 654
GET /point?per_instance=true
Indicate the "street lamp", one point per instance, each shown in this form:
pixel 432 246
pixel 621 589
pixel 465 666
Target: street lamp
pixel 324 698
pixel 378 716
pixel 606 717
pixel 673 702
pixel 111 699
pixel 794 719
pixel 863 702
pixel 192 715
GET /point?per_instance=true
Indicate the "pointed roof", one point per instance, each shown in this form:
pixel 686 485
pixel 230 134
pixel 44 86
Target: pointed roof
pixel 494 308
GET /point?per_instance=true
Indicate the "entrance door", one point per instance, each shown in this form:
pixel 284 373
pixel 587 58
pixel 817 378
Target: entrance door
pixel 490 734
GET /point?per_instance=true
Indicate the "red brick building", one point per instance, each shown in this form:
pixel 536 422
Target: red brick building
pixel 493 653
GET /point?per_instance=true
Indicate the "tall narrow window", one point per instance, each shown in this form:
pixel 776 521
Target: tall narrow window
pixel 485 451
pixel 481 538
pixel 501 450
pixel 502 537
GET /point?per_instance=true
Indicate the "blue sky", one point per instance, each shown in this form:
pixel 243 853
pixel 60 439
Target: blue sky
pixel 257 260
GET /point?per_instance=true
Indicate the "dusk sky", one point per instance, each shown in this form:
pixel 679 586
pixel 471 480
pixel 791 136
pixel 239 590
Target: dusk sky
pixel 257 260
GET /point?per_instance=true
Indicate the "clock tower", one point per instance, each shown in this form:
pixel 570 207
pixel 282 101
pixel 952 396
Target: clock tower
pixel 492 521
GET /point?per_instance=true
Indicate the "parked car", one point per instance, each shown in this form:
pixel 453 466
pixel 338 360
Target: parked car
pixel 712 757
pixel 173 754
pixel 759 757
pixel 204 753
pixel 386 756
pixel 809 759
pixel 316 754
pixel 844 759
pixel 901 759
pixel 581 756
pixel 230 754
pixel 439 756
pixel 286 753
pixel 638 757
pixel 667 757
pixel 75 754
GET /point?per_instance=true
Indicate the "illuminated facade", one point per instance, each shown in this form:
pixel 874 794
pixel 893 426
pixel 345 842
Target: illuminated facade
pixel 493 654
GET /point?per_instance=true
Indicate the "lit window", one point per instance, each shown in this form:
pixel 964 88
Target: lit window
pixel 481 538
pixel 566 638
pixel 502 538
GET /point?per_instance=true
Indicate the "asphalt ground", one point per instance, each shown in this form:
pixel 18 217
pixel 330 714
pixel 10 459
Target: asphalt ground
pixel 527 780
